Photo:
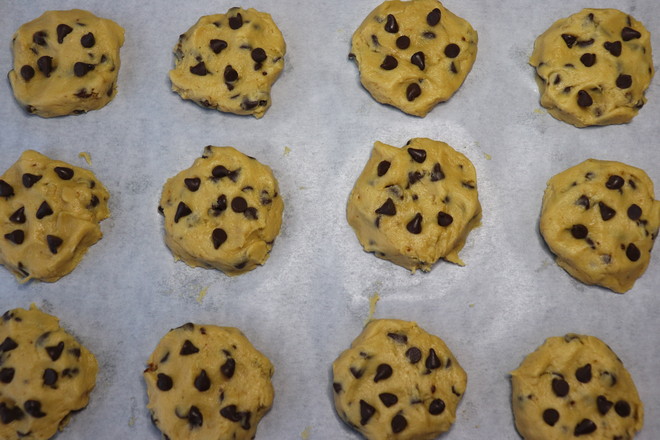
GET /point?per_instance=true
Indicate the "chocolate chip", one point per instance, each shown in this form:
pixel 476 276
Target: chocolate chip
pixel 579 231
pixel 192 183
pixel 88 40
pixel 417 155
pixel 195 418
pixel 437 407
pixel 418 60
pixel 398 337
pixel 220 205
pixel 258 55
pixel 634 212
pixel 388 399
pixel 383 371
pixel 45 65
pixel 432 360
pixel 388 208
pixel 230 74
pixel 8 415
pixel 356 373
pixel 227 369
pixel 50 377
pixel 8 345
pixel 82 69
pixel 27 72
pixel 428 35
pixel 584 99
pixel 403 42
pixel 414 177
pixel 632 252
pixel 337 387
pixel 413 91
pixel 55 351
pixel 188 348
pixel 433 17
pixel 230 412
pixel 399 423
pixel 569 39
pixel 7 375
pixel 382 169
pixel 624 81
pixel 603 404
pixel 44 210
pixel 391 25
pixel 219 172
pixel 452 50
pixel 628 34
pixel 6 190
pixel 236 22
pixel 414 355
pixel 389 63
pixel 366 412
pixel 217 46
pixel 63 173
pixel 414 226
pixel 436 173
pixel 444 219
pixel 40 38
pixel 218 237
pixel 238 204
pixel 586 426
pixel 560 387
pixel 33 408
pixel 551 416
pixel 583 374
pixel 583 201
pixel 54 243
pixel 606 213
pixel 622 408
pixel 199 69
pixel 613 48
pixel 182 210
pixel 202 381
pixel 164 382
pixel 17 236
pixel 588 59
pixel 62 31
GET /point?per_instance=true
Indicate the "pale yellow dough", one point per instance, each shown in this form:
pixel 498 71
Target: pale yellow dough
pixel 442 189
pixel 67 88
pixel 594 67
pixel 71 202
pixel 391 68
pixel 244 41
pixel 601 219
pixel 208 383
pixel 398 382
pixel 45 374
pixel 575 387
pixel 217 231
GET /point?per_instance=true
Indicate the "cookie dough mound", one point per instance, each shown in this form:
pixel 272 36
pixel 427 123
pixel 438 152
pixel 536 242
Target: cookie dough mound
pixel 49 215
pixel 223 212
pixel 593 67
pixel 66 62
pixel 208 383
pixel 575 386
pixel 230 61
pixel 398 382
pixel 600 219
pixel 413 54
pixel 44 375
pixel 416 204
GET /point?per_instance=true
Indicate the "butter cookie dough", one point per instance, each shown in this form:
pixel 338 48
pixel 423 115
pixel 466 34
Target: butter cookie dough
pixel 600 219
pixel 416 204
pixel 398 382
pixel 45 374
pixel 575 387
pixel 230 61
pixel 208 383
pixel 594 67
pixel 49 215
pixel 224 212
pixel 413 54
pixel 66 62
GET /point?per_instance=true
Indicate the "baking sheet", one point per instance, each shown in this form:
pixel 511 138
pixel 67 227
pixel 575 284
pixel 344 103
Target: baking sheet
pixel 312 297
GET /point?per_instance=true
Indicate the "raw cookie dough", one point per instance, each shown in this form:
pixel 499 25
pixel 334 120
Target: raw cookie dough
pixel 223 212
pixel 416 204
pixel 229 61
pixel 49 215
pixel 208 383
pixel 66 62
pixel 398 382
pixel 600 219
pixel 44 375
pixel 413 54
pixel 575 387
pixel 593 67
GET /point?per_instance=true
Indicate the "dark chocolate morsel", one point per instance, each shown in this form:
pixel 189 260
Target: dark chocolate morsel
pixel 236 22
pixel 182 210
pixel 217 46
pixel 433 17
pixel 632 252
pixel 606 213
pixel 389 63
pixel 585 426
pixel 188 348
pixel 258 55
pixel 239 204
pixel 414 226
pixel 337 387
pixel 219 172
pixel 551 416
pixel 54 243
pixel 584 99
pixel 27 72
pixel 230 413
pixel 418 60
pixel 388 208
pixel 418 155
pixel 388 399
pixel 383 371
pixel 218 237
pixel 19 216
pixel 227 369
pixel 432 360
pixel 164 382
pixel 192 183
pixel 622 408
pixel 220 204
pixel 383 167
pixel 195 418
pixel 50 377
pixel 414 355
pixel 64 173
pixel 628 34
pixel 44 210
pixel 230 74
pixel 452 50
pixel 444 219
pixel 82 69
pixel 366 412
pixel 8 415
pixel 45 65
pixel 583 374
pixel 429 35
pixel 40 38
pixel 569 39
pixel 62 31
pixel 413 91
pixel 634 212
pixel 588 59
pixel 436 173
pixel 88 40
pixel 391 25
pixel 613 48
pixel 624 81
pixel 199 69
pixel 560 387
pixel 6 190
pixel 603 404
pixel 583 201
pixel 398 337
pixel 399 423
pixel 437 407
pixel 16 236
pixel 7 375
pixel 579 231
pixel 55 351
pixel 202 381
pixel 8 345
pixel 403 42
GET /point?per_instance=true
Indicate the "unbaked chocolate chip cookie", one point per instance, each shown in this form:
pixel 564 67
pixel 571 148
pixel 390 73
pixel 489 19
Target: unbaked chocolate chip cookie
pixel 416 204
pixel 601 220
pixel 66 62
pixel 398 381
pixel 223 212
pixel 49 215
pixel 208 383
pixel 575 387
pixel 44 375
pixel 230 61
pixel 594 67
pixel 413 54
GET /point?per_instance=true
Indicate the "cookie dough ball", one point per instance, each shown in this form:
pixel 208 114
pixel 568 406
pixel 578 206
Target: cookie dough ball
pixel 413 54
pixel 208 383
pixel 224 212
pixel 600 219
pixel 49 215
pixel 575 386
pixel 398 382
pixel 593 67
pixel 230 61
pixel 66 62
pixel 44 375
pixel 416 204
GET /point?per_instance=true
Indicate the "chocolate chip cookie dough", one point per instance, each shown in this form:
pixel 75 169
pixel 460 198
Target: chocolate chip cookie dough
pixel 398 382
pixel 49 215
pixel 230 61
pixel 44 375
pixel 208 383
pixel 66 62
pixel 594 67
pixel 601 219
pixel 224 212
pixel 416 204
pixel 413 54
pixel 575 386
